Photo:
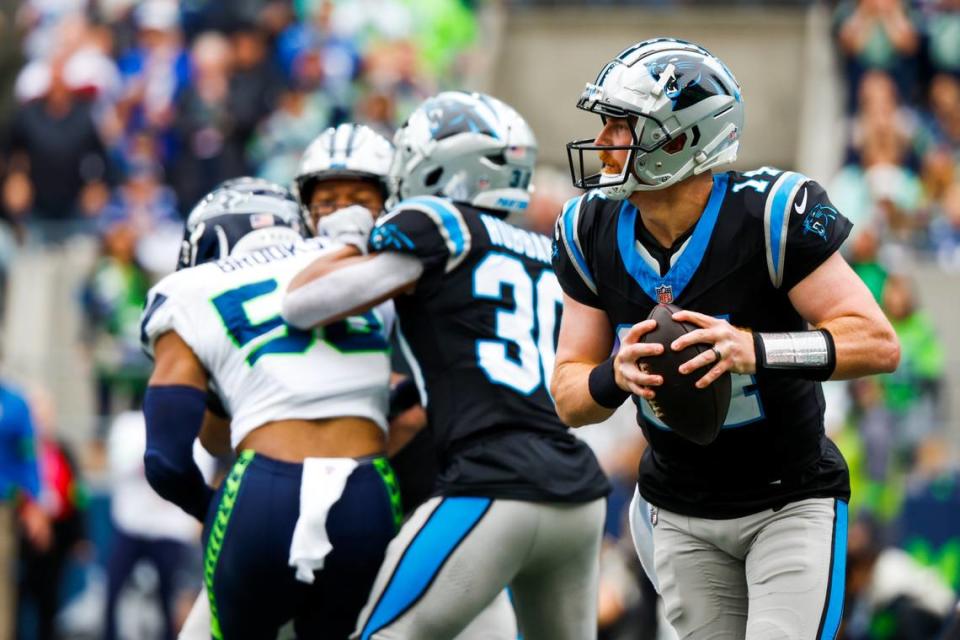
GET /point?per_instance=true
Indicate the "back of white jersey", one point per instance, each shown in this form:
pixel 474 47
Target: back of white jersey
pixel 228 313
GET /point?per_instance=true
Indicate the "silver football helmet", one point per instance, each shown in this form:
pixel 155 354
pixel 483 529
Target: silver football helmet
pixel 685 111
pixel 245 215
pixel 350 151
pixel 469 147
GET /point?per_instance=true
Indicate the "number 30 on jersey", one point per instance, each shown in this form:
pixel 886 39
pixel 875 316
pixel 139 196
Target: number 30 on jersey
pixel 523 355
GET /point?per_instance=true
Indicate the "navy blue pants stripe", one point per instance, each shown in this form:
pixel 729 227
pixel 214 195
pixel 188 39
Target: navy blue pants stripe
pixel 447 527
pixel 833 607
pixel 255 588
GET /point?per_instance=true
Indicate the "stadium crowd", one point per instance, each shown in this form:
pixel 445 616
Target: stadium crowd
pixel 125 113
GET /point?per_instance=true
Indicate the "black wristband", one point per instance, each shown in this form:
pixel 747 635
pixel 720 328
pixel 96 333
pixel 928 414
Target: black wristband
pixel 603 386
pixel 798 368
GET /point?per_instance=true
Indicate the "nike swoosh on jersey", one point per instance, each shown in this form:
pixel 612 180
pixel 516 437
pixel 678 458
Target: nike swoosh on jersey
pixel 802 206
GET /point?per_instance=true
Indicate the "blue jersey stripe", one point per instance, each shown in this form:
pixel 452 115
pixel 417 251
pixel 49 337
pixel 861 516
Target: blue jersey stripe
pixel 449 217
pixel 426 554
pixel 570 221
pixel 778 212
pixel 680 274
pixel 831 617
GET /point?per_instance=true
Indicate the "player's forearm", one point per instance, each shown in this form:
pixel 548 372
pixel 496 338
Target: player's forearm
pixel 864 346
pixel 571 395
pixel 332 292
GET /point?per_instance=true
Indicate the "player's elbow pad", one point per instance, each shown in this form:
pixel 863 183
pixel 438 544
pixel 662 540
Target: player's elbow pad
pixel 174 415
pixel 350 288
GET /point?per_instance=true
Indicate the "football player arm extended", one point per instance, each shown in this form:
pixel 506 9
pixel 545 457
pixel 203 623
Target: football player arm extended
pixel 834 298
pixel 340 285
pixel 851 335
pixel 589 383
pixel 175 407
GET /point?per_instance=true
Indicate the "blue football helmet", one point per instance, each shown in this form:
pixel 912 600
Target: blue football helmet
pixel 239 216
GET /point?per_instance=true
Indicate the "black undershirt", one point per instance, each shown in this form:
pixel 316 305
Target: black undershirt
pixel 661 254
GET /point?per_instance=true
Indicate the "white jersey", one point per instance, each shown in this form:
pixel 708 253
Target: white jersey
pixel 228 313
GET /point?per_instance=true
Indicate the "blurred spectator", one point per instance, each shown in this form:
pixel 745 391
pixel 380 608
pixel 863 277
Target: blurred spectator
pixel 864 259
pixel 878 105
pixel 393 68
pixel 147 527
pixel 929 527
pixel 867 442
pixel 888 594
pixel 19 491
pixel 912 392
pixel 154 71
pixel 943 35
pixel 58 164
pixel 877 34
pixel 62 499
pixel 943 122
pixel 211 145
pixel 256 82
pixel 143 201
pixel 880 190
pixel 113 298
pixel 317 57
pixel 945 230
pixel 284 135
pixel 377 110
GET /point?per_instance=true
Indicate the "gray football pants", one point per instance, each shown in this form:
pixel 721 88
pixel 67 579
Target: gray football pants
pixel 455 555
pixel 773 575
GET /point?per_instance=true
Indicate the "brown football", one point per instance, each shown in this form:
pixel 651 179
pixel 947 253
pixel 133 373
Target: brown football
pixel 692 413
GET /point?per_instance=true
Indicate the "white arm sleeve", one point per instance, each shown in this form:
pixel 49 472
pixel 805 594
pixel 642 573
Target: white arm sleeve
pixel 354 287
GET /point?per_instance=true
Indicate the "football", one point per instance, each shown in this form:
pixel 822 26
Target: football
pixel 692 413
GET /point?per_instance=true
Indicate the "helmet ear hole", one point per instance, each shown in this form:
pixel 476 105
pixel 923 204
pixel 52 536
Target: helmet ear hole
pixel 433 177
pixel 677 144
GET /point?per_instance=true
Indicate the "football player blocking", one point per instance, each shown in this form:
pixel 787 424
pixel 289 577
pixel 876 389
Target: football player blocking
pixel 519 500
pixel 745 537
pixel 216 331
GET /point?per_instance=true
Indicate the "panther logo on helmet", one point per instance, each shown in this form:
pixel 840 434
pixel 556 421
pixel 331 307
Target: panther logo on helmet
pixel 449 116
pixel 684 110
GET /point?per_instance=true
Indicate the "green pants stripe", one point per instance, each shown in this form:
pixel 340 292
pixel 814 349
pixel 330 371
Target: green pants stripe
pixel 218 530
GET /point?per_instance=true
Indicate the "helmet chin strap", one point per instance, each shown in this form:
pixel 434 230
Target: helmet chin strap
pixel 623 190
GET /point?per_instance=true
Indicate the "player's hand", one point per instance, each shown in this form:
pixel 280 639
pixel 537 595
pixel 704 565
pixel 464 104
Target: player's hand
pixel 731 348
pixel 351 225
pixel 630 377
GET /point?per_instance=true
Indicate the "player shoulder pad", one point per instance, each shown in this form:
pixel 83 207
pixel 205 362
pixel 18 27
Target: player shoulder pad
pixel 575 211
pixel 777 206
pixel 446 217
pixel 165 308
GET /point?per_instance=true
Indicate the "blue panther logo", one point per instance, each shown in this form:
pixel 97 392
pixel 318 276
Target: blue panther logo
pixel 389 236
pixel 691 81
pixel 449 117
pixel 818 221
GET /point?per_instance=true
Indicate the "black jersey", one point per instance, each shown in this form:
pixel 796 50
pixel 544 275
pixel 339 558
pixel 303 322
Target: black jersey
pixel 480 333
pixel 761 233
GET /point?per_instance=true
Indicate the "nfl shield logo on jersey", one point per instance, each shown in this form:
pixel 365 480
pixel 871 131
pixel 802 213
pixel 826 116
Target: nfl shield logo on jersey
pixel 664 294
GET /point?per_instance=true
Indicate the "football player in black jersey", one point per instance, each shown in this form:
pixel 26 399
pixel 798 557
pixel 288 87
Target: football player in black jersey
pixel 748 533
pixel 519 501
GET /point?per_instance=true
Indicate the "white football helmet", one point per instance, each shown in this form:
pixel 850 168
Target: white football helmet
pixel 469 147
pixel 350 151
pixel 686 112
